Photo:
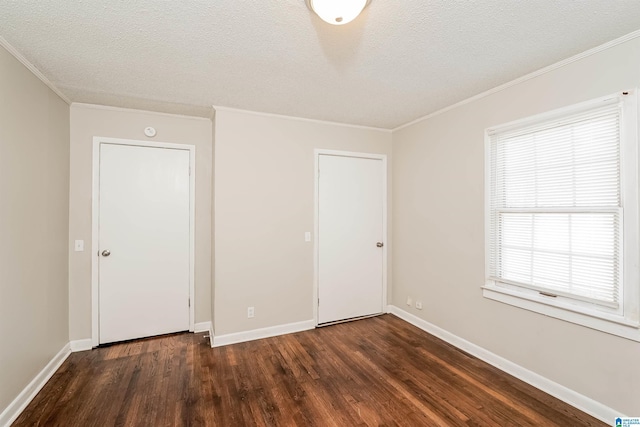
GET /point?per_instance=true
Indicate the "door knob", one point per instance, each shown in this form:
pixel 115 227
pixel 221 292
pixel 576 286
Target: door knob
pixel 379 244
pixel 106 252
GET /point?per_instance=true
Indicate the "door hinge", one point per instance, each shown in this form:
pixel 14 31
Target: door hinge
pixel 189 301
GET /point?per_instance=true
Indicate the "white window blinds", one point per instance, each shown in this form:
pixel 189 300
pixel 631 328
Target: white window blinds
pixel 555 207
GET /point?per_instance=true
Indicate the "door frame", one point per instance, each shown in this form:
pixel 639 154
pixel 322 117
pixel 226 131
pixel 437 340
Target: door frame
pixel 316 220
pixel 95 217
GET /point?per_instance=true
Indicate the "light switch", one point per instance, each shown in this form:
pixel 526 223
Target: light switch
pixel 307 236
pixel 79 245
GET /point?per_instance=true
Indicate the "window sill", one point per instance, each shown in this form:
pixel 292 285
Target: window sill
pixel 540 304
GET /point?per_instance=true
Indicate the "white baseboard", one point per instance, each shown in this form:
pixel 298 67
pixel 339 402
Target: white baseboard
pixel 573 398
pixel 201 327
pixel 255 334
pixel 81 345
pixel 18 405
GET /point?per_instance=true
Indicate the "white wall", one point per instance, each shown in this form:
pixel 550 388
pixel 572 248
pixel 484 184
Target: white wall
pixel 34 215
pixel 89 121
pixel 439 233
pixel 264 177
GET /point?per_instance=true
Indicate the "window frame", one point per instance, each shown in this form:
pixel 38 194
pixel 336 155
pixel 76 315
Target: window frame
pixel 625 321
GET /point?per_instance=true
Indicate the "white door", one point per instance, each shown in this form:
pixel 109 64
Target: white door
pixel 350 221
pixel 143 241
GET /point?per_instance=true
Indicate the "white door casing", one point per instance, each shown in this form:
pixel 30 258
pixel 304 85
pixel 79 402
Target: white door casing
pixel 350 269
pixel 143 213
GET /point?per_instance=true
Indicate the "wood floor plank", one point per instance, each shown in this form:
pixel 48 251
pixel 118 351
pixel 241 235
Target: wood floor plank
pixel 379 371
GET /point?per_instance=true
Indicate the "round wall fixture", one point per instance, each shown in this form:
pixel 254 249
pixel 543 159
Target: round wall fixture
pixel 337 12
pixel 150 132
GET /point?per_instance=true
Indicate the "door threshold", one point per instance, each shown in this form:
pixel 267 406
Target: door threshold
pixel 140 339
pixel 351 319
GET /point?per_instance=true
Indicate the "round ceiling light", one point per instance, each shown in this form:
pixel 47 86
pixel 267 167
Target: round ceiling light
pixel 337 12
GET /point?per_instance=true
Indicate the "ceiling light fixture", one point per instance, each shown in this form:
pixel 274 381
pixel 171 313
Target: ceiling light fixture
pixel 337 12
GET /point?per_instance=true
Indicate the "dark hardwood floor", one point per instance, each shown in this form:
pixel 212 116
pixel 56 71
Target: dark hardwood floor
pixel 377 371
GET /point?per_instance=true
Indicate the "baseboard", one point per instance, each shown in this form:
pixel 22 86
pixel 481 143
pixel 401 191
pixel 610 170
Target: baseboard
pixel 201 327
pixel 18 405
pixel 573 398
pixel 81 345
pixel 257 334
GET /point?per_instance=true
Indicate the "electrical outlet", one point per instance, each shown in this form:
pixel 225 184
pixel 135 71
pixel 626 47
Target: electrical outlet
pixel 251 312
pixel 419 305
pixel 409 301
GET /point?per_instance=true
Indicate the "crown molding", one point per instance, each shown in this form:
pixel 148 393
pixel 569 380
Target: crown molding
pixel 135 110
pixel 301 119
pixel 526 77
pixel 24 61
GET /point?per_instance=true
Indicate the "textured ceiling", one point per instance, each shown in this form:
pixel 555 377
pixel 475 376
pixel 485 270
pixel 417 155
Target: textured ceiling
pixel 398 61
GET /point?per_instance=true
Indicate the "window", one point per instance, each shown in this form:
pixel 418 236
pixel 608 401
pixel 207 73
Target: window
pixel 562 214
